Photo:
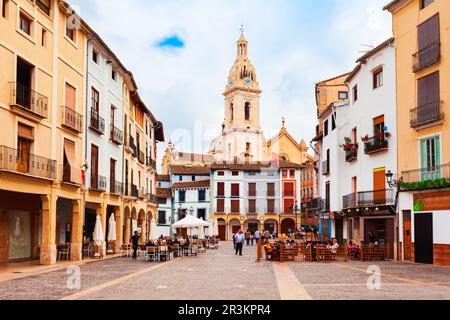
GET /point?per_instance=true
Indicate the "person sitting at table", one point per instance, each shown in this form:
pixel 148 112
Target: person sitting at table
pixel 151 243
pixel 176 241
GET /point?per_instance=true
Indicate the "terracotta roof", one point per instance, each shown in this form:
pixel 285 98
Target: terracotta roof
pixel 334 78
pixel 193 157
pixel 191 185
pixel 163 177
pixel 163 193
pixel 190 170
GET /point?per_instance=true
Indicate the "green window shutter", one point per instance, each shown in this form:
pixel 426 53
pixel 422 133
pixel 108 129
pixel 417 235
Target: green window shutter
pixel 438 150
pixel 423 159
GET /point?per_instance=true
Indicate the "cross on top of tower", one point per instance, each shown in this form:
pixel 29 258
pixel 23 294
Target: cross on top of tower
pixel 242 28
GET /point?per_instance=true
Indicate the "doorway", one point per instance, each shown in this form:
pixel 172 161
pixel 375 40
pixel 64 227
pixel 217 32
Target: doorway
pixel 379 186
pixel 407 241
pixel 423 238
pixel 24 83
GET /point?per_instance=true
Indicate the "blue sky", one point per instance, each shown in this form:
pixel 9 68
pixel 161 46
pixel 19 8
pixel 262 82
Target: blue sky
pixel 181 51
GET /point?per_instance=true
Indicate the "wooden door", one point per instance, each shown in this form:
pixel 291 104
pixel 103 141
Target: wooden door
pixel 94 167
pixel 112 174
pixel 379 186
pixel 407 241
pixel 23 155
pixel 222 232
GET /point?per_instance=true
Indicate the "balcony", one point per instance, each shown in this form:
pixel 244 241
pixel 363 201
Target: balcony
pixel 27 102
pixel 141 156
pixel 116 135
pixel 151 163
pixel 426 114
pixel 66 172
pixel 151 199
pixel 351 153
pixel 72 119
pixel 97 123
pixel 141 193
pixel 26 163
pixel 427 57
pixel 369 199
pixel 436 177
pixel 376 144
pixel 116 187
pixel 316 203
pixel 326 168
pixel 134 191
pixel 99 183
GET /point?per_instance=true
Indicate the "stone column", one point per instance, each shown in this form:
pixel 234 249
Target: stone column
pixel 119 228
pixel 77 231
pixel 127 223
pixel 144 229
pixel 48 246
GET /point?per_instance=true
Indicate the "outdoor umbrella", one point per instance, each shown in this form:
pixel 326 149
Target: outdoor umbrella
pixel 211 228
pixel 190 222
pixel 216 228
pixel 112 231
pixel 98 233
pixel 201 232
pixel 153 235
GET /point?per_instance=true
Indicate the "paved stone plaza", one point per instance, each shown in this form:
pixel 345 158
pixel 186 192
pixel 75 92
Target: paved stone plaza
pixel 222 275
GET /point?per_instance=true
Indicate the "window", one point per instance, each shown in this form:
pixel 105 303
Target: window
pixel 235 206
pixel 247 111
pixel 235 190
pixel 162 217
pixel 252 189
pixel 114 77
pixel 292 174
pixel 25 24
pixel 232 112
pixel 326 128
pixel 193 178
pixel 288 189
pixel 235 173
pixel 220 206
pixel 284 173
pixel 378 78
pixel 425 3
pixel 70 29
pixel 271 189
pixel 201 195
pixel 162 200
pixel 221 189
pixel 201 214
pixel 428 108
pixel 95 56
pixel 180 178
pixel 5 8
pixel 343 95
pixel 355 93
pixel 44 5
pixel 430 158
pixel 271 206
pixel 251 206
pixel 333 121
pixel 44 38
pixel 221 173
pixel 181 196
pixel 95 101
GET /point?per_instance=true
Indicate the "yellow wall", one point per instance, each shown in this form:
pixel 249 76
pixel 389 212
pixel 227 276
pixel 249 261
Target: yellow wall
pixel 405 23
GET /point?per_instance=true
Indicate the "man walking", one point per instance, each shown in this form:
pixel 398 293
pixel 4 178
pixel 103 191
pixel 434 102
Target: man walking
pixel 239 242
pixel 257 235
pixel 135 242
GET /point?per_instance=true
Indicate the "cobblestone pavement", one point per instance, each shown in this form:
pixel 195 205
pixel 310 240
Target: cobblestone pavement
pixel 220 274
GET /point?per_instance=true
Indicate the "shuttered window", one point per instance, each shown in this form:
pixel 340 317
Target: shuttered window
pixel 221 189
pixel 428 32
pixel 25 132
pixel 235 206
pixel 251 206
pixel 428 98
pixel 252 189
pixel 270 206
pixel 235 190
pixel 288 189
pixel 271 189
pixel 220 208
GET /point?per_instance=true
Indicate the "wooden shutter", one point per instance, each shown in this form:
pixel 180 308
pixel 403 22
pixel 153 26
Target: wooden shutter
pixel 70 96
pixel 235 190
pixel 220 206
pixel 252 206
pixel 428 32
pixel 270 206
pixel 75 173
pixel 220 189
pixel 271 189
pixel 235 206
pixel 25 132
pixel 252 189
pixel 288 189
pixel 428 98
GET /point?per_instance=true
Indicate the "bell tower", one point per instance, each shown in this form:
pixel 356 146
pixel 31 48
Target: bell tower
pixel 242 137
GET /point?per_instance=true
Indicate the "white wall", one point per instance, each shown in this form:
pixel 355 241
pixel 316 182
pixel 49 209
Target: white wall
pixel 110 91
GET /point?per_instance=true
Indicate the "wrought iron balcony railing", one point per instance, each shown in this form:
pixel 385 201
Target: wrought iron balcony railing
pixel 151 198
pixel 97 123
pixel 151 163
pixel 26 163
pixel 29 100
pixel 116 187
pixel 425 114
pixel 99 183
pixel 116 135
pixel 427 57
pixel 71 119
pixel 369 199
pixel 376 144
pixel 134 191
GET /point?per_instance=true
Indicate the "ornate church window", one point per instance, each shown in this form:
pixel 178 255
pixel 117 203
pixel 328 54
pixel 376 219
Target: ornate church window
pixel 247 111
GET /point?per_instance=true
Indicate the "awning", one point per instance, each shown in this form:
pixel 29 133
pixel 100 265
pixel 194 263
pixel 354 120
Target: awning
pixel 69 150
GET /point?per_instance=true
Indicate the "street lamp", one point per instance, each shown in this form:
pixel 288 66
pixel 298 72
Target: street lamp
pixel 392 182
pixel 296 211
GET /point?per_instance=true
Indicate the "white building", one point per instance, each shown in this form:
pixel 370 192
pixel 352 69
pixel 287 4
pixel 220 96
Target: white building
pixel 367 149
pixel 165 210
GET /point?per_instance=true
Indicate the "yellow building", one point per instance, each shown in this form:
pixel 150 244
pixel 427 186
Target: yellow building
pixel 422 36
pixel 41 108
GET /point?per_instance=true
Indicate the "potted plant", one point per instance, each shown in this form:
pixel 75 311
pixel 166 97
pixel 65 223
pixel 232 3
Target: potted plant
pixel 365 138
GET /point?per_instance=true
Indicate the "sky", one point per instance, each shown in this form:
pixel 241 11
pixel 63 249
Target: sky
pixel 181 51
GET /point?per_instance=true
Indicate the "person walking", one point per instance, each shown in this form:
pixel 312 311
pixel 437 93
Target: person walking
pixel 257 236
pixel 239 242
pixel 135 242
pixel 248 236
pixel 234 240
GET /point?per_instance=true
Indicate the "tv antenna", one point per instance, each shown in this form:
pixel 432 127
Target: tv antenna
pixel 369 47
